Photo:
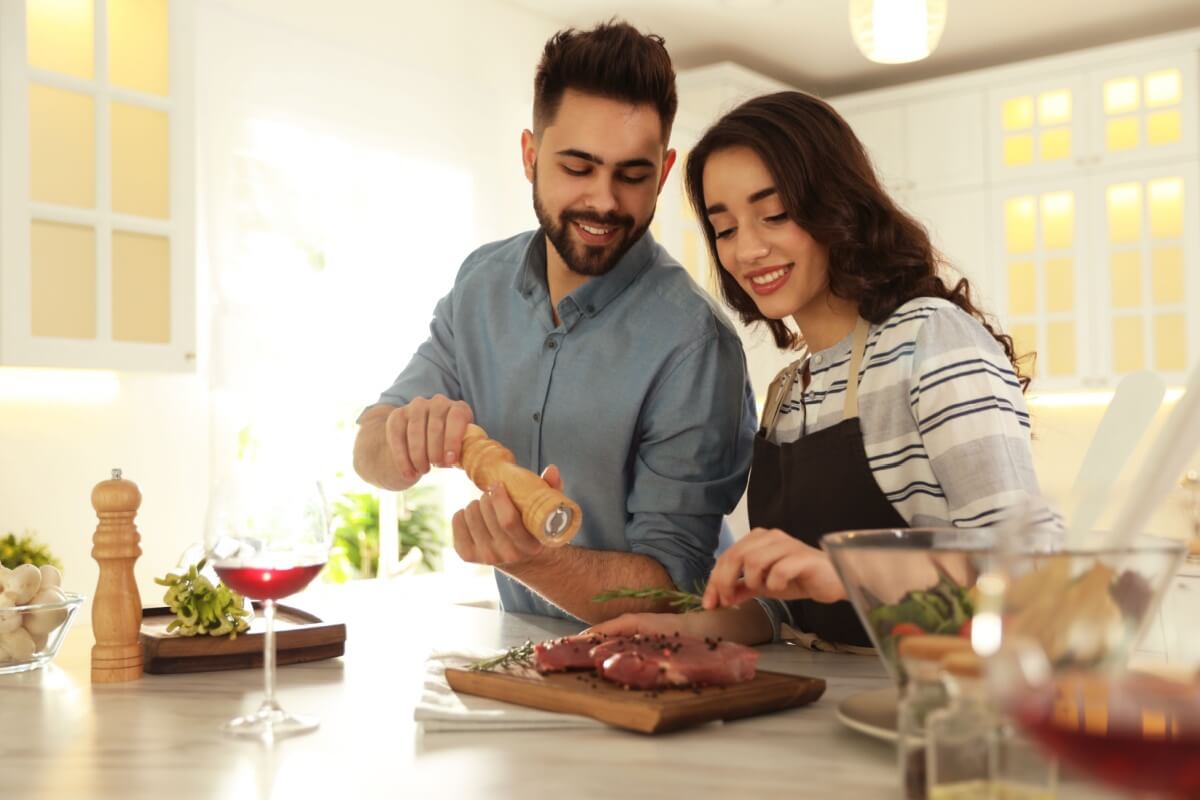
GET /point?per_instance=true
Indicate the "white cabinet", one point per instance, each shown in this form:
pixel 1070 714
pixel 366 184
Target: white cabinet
pixel 882 132
pixel 1066 191
pixel 957 223
pixel 1099 273
pixel 1138 110
pixel 96 185
pixel 923 145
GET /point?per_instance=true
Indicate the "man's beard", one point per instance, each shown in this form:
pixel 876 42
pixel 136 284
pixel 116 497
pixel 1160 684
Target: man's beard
pixel 581 258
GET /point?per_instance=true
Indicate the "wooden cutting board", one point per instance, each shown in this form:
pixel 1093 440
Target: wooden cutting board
pixel 299 637
pixel 637 709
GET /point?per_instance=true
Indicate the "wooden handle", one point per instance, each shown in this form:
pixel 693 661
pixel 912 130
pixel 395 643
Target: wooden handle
pixel 548 514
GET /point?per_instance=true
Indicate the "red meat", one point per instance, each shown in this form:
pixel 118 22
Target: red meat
pixel 656 662
pixel 569 652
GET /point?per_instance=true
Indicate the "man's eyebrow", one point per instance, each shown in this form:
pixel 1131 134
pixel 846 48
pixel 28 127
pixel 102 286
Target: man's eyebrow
pixel 598 161
pixel 761 194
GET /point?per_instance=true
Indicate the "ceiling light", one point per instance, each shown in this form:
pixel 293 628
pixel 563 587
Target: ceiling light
pixel 897 31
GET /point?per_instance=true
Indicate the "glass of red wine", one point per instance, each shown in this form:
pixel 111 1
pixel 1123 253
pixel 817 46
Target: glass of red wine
pixel 1059 629
pixel 267 536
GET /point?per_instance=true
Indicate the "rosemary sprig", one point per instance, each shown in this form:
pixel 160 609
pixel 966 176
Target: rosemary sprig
pixel 679 601
pixel 521 655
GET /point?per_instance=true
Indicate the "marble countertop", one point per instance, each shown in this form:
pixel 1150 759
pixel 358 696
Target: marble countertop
pixel 62 737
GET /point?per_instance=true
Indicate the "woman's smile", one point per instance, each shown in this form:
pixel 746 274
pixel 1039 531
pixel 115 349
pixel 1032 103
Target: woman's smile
pixel 768 279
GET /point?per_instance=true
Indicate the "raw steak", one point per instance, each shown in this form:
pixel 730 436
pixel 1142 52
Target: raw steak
pixel 656 662
pixel 569 652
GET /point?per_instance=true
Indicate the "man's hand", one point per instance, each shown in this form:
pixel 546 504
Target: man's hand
pixel 490 530
pixel 771 563
pixel 426 433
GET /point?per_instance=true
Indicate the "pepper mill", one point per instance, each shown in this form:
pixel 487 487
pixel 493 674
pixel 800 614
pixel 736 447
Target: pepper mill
pixel 117 608
pixel 547 513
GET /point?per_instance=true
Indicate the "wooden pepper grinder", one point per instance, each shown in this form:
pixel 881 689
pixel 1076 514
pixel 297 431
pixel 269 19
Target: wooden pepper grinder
pixel 117 608
pixel 547 513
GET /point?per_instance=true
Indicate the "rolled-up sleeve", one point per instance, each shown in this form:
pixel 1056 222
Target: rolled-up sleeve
pixel 691 464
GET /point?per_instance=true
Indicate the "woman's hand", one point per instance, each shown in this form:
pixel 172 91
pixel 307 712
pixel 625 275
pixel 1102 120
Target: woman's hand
pixel 770 563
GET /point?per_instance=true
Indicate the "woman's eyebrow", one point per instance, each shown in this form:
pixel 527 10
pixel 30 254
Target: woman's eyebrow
pixel 761 194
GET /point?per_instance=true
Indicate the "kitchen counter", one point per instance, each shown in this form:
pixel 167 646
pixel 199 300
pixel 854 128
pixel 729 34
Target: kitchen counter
pixel 61 737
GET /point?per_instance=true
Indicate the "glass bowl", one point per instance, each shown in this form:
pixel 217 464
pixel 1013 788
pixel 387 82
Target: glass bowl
pixel 30 635
pixel 1058 630
pixel 914 581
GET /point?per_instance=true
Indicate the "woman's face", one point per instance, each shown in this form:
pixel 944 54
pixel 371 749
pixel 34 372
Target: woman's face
pixel 772 258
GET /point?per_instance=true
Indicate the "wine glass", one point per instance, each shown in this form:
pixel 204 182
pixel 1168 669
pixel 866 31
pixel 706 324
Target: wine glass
pixel 267 536
pixel 1058 630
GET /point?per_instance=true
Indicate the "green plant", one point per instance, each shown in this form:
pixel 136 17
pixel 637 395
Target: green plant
pixel 14 552
pixel 355 515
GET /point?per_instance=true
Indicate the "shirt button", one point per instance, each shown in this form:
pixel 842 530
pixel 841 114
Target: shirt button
pixel 818 359
pixel 537 416
pixel 551 344
pixel 591 309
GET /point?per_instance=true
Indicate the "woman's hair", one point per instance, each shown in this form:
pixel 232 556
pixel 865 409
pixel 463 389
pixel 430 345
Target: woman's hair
pixel 879 256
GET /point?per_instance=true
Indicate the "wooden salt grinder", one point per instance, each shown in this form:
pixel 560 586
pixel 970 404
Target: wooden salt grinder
pixel 117 607
pixel 548 514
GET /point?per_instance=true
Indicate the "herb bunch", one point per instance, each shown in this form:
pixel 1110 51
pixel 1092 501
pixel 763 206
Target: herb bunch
pixel 521 655
pixel 679 601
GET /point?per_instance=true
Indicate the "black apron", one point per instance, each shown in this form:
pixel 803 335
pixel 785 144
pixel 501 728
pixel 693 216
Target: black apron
pixel 819 484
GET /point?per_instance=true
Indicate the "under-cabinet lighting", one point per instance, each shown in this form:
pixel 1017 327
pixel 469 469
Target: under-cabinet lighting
pixel 78 387
pixel 1092 399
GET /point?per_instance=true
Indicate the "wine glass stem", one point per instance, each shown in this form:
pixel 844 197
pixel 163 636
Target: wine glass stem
pixel 269 653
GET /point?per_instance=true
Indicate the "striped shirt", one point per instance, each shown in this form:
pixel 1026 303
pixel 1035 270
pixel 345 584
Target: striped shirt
pixel 945 426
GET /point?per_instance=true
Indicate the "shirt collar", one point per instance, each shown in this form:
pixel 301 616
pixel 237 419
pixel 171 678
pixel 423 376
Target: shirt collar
pixel 590 298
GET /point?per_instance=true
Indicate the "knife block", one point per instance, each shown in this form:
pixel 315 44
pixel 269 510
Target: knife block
pixel 547 513
pixel 117 607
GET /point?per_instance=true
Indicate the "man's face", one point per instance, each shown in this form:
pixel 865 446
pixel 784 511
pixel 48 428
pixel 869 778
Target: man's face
pixel 596 171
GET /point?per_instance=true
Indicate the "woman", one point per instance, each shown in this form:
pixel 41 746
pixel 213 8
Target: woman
pixel 906 407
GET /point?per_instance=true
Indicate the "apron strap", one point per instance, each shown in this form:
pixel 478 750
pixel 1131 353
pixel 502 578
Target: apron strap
pixel 850 411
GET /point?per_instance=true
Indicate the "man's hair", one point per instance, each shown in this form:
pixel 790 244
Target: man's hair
pixel 613 60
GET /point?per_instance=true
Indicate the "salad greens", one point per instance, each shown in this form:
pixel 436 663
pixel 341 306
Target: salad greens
pixel 944 608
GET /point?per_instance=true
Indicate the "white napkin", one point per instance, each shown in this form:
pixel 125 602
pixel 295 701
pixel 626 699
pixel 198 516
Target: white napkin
pixel 442 709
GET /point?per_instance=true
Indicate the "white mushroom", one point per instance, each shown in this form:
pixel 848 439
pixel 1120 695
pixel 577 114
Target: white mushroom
pixel 18 643
pixel 43 622
pixel 5 577
pixel 39 641
pixel 9 620
pixel 23 584
pixel 50 576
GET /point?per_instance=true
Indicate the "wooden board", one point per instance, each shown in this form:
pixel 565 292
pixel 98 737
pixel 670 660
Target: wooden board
pixel 299 636
pixel 637 709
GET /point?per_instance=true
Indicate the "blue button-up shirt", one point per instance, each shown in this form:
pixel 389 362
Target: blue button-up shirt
pixel 640 396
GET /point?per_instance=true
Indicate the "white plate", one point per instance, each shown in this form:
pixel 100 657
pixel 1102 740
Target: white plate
pixel 872 712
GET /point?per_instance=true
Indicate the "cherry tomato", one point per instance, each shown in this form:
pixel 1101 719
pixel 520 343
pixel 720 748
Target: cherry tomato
pixel 906 629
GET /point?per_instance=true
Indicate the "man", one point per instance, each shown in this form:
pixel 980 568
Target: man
pixel 583 345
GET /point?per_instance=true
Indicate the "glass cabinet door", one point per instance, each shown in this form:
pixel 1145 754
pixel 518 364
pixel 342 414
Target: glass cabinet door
pixel 1145 111
pixel 97 224
pixel 1037 129
pixel 1041 283
pixel 1146 292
